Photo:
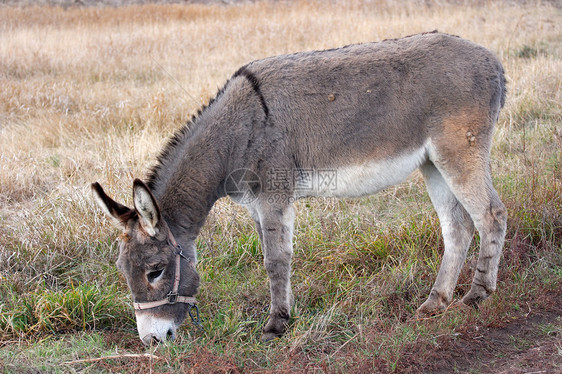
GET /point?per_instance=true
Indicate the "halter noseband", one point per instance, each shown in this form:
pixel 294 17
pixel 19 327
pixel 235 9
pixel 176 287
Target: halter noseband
pixel 172 296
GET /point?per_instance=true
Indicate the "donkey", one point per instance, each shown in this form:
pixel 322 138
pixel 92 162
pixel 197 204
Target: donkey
pixel 344 122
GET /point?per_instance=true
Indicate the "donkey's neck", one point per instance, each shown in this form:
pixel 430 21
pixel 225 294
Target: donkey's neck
pixel 187 178
pixel 190 173
pixel 186 182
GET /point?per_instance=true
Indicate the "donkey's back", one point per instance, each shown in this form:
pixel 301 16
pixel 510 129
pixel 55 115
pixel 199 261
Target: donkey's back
pixel 376 99
pixel 377 111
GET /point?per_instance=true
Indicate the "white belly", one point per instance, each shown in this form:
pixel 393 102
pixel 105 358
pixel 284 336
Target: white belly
pixel 358 180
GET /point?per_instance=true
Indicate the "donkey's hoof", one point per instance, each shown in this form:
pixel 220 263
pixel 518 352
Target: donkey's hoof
pixel 430 308
pixel 275 327
pixel 475 296
pixel 434 304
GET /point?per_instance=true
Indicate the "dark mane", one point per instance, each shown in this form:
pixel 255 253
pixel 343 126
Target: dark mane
pixel 179 137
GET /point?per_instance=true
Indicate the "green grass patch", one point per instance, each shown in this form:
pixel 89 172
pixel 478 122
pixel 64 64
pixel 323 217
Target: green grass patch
pixel 77 308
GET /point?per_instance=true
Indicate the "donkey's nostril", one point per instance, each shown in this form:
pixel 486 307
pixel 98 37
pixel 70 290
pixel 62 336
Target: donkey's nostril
pixel 150 339
pixel 170 335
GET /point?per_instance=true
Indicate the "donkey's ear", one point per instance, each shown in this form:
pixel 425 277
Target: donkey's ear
pixel 119 213
pixel 146 206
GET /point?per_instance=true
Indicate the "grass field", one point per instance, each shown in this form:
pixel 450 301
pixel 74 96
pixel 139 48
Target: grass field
pixel 92 93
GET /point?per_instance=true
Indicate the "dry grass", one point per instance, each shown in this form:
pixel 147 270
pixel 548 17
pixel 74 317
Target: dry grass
pixel 91 94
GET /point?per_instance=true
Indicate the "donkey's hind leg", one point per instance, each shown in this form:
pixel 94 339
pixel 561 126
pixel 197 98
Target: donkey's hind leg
pixel 471 183
pixel 457 229
pixel 489 215
pixel 491 222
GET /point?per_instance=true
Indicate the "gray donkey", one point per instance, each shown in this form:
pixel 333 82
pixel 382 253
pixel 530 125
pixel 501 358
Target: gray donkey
pixel 344 122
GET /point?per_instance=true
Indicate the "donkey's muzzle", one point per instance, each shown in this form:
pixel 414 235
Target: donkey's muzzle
pixel 152 339
pixel 153 329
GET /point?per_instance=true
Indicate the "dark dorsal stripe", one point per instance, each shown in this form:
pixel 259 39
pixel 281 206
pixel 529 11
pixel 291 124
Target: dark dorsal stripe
pixel 254 81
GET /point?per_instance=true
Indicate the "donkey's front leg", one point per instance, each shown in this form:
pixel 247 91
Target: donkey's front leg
pixel 276 223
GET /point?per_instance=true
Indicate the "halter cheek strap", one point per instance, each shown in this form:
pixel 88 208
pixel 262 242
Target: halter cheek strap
pixel 172 296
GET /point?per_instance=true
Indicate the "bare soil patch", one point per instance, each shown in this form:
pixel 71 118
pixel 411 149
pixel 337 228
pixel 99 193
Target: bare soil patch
pixel 530 343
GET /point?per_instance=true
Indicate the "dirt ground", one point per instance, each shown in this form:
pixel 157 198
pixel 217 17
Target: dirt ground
pixel 530 343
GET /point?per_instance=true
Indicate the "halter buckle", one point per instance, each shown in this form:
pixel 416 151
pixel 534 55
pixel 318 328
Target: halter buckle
pixel 172 297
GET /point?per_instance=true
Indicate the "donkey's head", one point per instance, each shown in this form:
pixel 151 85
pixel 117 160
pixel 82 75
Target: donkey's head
pixel 149 258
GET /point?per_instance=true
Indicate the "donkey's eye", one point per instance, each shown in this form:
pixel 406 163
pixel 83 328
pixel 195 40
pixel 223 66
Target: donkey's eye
pixel 153 275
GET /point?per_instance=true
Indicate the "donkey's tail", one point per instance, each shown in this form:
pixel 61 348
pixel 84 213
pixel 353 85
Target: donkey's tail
pixel 503 87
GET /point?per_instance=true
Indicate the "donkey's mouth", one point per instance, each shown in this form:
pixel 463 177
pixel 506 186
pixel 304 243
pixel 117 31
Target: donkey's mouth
pixel 153 339
pixel 153 329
